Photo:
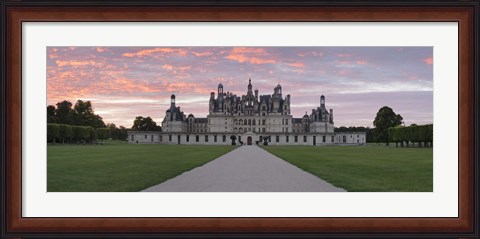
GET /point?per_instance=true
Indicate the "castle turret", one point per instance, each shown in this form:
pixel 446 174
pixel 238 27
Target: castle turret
pixel 322 101
pixel 172 101
pixel 220 90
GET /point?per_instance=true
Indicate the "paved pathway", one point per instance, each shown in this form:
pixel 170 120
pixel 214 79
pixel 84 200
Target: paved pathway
pixel 246 169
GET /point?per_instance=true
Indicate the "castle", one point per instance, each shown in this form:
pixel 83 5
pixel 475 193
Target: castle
pixel 250 119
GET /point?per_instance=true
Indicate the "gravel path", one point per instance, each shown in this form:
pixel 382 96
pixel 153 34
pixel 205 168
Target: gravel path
pixel 246 169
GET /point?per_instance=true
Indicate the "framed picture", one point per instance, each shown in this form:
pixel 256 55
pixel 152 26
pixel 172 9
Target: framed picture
pixel 240 119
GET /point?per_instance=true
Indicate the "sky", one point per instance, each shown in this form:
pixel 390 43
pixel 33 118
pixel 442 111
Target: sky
pixel 125 82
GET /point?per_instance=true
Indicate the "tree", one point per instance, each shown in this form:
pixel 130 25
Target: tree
pixel 66 132
pixel 84 115
pixel 91 135
pixel 385 119
pixel 103 133
pixel 80 133
pixel 145 124
pixel 122 133
pixel 53 132
pixel 51 118
pixel 64 113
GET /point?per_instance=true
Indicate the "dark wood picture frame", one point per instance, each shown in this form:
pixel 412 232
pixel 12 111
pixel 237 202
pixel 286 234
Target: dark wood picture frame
pixel 13 13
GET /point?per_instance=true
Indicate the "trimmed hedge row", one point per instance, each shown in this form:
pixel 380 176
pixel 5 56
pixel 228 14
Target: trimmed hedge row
pixel 75 134
pixel 412 134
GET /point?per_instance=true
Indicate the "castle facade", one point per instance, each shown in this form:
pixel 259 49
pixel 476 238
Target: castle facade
pixel 248 119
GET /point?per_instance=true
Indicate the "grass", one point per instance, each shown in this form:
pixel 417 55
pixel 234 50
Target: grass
pixel 120 167
pixel 364 168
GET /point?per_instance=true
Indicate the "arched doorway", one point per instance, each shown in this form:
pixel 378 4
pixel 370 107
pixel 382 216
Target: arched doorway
pixel 249 140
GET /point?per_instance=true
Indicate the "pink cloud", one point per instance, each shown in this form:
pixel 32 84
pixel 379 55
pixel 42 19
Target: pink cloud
pixel 296 64
pixel 147 52
pixel 428 61
pixel 52 55
pixel 202 53
pixel 74 63
pixel 361 62
pixel 100 49
pixel 175 68
pixel 255 56
pixel 344 54
pixel 313 53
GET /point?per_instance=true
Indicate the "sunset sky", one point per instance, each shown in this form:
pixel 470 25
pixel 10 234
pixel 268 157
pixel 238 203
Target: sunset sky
pixel 124 82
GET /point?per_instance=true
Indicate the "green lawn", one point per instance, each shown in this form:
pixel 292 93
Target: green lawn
pixel 364 168
pixel 120 167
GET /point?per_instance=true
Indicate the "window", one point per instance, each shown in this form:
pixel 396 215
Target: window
pixel 304 138
pixel 270 139
pixel 197 138
pixel 132 137
pixel 214 138
pixel 239 138
pixel 263 130
pixel 161 138
pixel 170 138
pixel 344 139
pixel 206 138
pixel 324 138
pixel 263 122
pixel 296 138
pixel 286 122
pixel 188 138
pixel 286 138
pixel 145 136
pixel 333 139
pixel 151 139
pixel 277 138
pixel 224 138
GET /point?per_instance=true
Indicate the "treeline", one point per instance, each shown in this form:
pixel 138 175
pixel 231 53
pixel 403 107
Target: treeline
pixel 420 134
pixel 79 114
pixel 79 124
pixel 74 134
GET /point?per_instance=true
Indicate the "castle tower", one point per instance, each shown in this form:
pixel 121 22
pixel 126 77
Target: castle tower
pixel 322 101
pixel 172 101
pixel 249 86
pixel 220 89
